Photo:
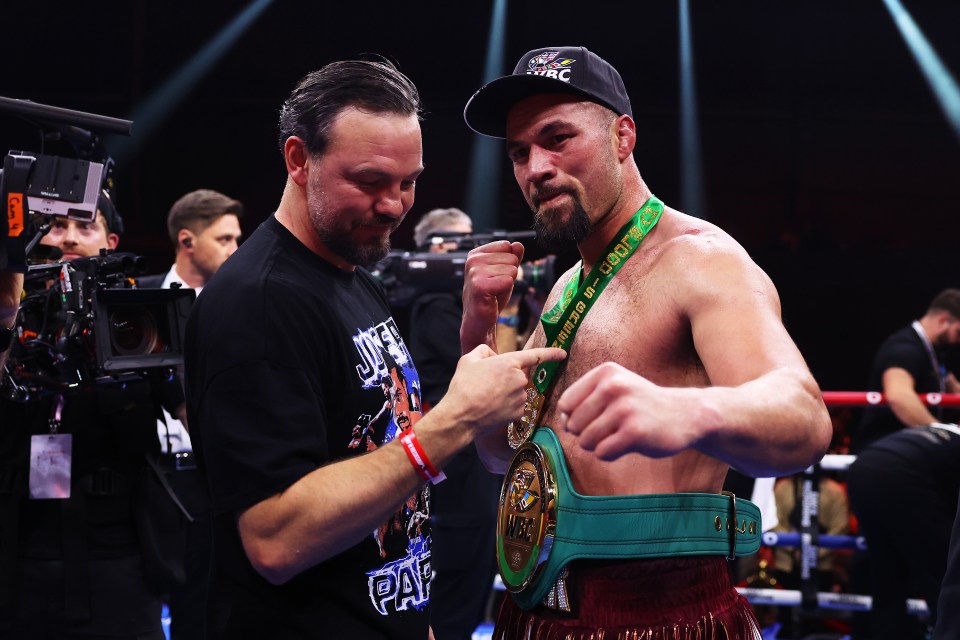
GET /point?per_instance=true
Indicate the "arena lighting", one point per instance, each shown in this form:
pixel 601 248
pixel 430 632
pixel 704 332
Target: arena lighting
pixel 691 176
pixel 483 185
pixel 942 84
pixel 160 104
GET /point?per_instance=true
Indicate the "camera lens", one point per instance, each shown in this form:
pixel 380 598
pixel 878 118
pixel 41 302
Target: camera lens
pixel 133 333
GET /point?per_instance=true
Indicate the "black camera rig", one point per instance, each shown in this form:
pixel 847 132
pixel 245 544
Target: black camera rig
pixel 82 322
pixel 36 186
pixel 407 275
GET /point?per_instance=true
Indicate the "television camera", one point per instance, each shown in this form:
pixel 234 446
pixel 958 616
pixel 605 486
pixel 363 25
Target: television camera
pixel 406 275
pixel 82 322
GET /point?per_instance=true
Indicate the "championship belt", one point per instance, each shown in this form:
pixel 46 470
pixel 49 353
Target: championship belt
pixel 543 524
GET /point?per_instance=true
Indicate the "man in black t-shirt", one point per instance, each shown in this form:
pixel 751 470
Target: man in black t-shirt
pixel 910 362
pixel 305 402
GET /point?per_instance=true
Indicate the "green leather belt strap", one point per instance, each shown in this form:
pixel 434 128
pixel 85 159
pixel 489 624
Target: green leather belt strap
pixel 647 526
pixel 635 526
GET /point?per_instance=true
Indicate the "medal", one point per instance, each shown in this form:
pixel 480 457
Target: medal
pixel 520 430
pixel 560 323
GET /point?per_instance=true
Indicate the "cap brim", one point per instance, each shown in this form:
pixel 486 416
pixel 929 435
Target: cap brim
pixel 486 112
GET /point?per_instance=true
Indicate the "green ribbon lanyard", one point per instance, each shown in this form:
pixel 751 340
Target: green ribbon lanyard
pixel 562 321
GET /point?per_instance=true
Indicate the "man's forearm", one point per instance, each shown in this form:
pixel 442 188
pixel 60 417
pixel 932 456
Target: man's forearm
pixel 326 512
pixel 474 333
pixel 910 411
pixel 332 508
pixel 772 426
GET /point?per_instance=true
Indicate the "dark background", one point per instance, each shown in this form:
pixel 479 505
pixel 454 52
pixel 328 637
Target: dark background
pixel 824 151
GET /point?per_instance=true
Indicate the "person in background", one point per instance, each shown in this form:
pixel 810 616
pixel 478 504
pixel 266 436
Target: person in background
pixel 904 489
pixel 438 229
pixel 465 505
pixel 833 519
pixel 910 362
pixel 75 523
pixel 947 626
pixel 204 227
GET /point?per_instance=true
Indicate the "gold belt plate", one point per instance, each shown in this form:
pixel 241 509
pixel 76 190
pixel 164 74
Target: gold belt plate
pixel 527 519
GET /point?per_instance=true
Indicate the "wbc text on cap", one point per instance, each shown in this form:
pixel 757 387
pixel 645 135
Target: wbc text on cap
pixel 572 70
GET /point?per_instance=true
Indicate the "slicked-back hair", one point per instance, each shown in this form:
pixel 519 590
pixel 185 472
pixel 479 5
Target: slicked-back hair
pixel 947 300
pixel 320 96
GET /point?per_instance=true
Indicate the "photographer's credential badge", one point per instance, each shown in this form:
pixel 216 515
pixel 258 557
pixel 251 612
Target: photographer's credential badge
pixel 50 456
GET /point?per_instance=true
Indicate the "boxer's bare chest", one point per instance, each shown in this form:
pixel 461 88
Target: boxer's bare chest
pixel 638 322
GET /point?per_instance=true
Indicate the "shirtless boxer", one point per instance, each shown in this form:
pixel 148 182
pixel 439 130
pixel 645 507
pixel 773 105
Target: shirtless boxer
pixel 680 368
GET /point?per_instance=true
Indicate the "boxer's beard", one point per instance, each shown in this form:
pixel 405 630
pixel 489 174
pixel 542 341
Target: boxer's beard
pixel 556 232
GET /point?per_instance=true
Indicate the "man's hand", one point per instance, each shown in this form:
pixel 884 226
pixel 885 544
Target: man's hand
pixel 11 286
pixel 487 390
pixel 489 275
pixel 953 385
pixel 615 411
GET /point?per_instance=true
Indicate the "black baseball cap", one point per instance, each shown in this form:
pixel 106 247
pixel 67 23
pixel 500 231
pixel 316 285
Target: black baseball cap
pixel 110 213
pixel 573 70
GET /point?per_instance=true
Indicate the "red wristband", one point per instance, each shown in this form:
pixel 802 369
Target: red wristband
pixel 418 458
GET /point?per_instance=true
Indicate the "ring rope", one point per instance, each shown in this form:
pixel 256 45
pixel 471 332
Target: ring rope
pixel 824 540
pixel 836 462
pixel 875 398
pixel 825 600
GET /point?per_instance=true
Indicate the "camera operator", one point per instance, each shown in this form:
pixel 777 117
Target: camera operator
pixel 80 239
pixel 75 519
pixel 204 227
pixel 464 507
pixel 435 317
